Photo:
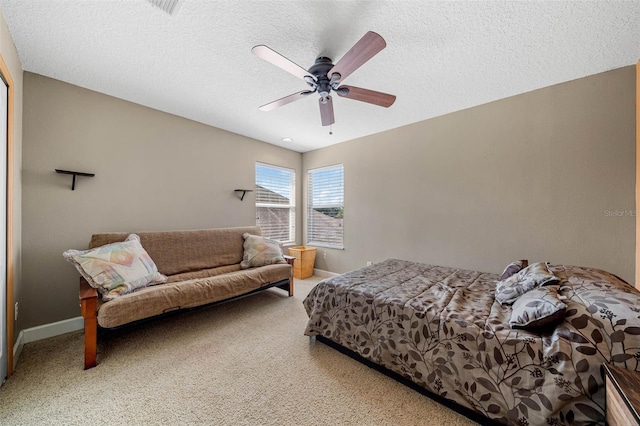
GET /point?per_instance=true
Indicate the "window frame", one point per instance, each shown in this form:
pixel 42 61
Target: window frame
pixel 310 207
pixel 292 201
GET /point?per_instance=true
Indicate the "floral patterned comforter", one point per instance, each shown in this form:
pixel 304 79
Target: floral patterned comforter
pixel 442 329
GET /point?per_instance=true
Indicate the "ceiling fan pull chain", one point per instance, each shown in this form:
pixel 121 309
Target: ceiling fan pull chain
pixel 330 130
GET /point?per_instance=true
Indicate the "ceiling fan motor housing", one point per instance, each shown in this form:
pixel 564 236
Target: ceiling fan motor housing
pixel 320 69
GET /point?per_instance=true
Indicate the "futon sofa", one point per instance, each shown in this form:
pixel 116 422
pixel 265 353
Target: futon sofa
pixel 202 267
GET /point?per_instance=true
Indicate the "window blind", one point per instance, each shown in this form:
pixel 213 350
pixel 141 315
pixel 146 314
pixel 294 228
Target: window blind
pixel 275 202
pixel 325 213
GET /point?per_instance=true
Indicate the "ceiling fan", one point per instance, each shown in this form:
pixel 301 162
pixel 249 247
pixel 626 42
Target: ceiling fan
pixel 324 76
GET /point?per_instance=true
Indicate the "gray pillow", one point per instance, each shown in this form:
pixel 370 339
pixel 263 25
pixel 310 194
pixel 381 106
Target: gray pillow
pixel 514 267
pixel 538 309
pixel 534 275
pixel 260 251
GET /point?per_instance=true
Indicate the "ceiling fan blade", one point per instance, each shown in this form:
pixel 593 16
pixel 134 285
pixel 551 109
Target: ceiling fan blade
pixel 326 111
pixel 286 100
pixel 278 60
pixel 366 95
pixel 366 48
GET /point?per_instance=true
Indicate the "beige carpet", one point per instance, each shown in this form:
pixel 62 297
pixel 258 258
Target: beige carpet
pixel 245 362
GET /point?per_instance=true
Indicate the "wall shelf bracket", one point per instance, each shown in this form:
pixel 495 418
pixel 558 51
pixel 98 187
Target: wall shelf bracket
pixel 69 172
pixel 244 191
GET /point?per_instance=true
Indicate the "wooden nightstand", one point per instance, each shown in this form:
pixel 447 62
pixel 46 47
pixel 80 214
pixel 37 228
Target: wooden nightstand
pixel 623 395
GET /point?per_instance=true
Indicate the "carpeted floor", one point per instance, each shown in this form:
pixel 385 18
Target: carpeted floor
pixel 245 362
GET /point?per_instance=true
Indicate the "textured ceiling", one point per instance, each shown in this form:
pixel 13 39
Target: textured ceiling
pixel 440 57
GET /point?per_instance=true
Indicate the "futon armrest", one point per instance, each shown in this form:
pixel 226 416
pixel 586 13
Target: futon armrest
pixel 290 260
pixel 86 291
pixel 89 308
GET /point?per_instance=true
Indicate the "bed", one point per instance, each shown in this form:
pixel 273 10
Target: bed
pixel 443 330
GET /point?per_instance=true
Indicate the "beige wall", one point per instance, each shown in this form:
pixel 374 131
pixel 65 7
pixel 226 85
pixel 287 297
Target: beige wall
pixel 154 171
pixel 541 176
pixel 531 176
pixel 10 57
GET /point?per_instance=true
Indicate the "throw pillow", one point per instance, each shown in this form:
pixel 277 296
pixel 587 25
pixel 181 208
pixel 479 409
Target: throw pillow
pixel 116 269
pixel 538 309
pixel 514 267
pixel 535 275
pixel 260 251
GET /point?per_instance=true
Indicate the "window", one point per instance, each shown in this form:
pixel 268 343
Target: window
pixel 275 202
pixel 326 206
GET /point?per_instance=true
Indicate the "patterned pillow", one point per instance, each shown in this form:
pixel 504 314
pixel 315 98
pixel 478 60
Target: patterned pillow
pixel 535 275
pixel 260 251
pixel 539 308
pixel 513 267
pixel 116 269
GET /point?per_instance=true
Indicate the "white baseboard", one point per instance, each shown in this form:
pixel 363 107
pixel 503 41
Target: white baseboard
pixel 54 329
pixel 17 349
pixel 323 274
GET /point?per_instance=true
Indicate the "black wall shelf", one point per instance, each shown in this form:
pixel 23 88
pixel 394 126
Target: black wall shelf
pixel 244 191
pixel 69 172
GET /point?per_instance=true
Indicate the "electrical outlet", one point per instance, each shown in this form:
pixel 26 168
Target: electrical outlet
pixel 324 254
pixel 15 312
pixel 369 263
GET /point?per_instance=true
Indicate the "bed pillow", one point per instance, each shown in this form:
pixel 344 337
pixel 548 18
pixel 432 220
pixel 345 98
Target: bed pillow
pixel 534 275
pixel 116 269
pixel 260 251
pixel 538 309
pixel 513 267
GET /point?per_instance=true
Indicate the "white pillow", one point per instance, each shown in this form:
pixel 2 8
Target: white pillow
pixel 116 269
